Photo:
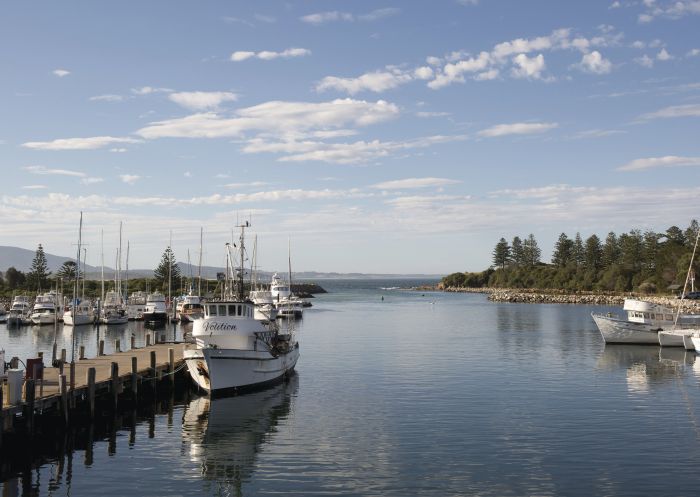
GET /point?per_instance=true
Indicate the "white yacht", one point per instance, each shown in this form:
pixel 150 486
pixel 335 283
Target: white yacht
pixel 285 302
pixel 232 349
pixel 189 308
pixel 136 305
pixel 644 322
pixel 155 311
pixel 79 312
pixel 264 305
pixel 20 310
pixel 45 308
pixel 113 309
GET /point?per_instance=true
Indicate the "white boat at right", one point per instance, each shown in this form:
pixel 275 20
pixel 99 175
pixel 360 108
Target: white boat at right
pixel 645 320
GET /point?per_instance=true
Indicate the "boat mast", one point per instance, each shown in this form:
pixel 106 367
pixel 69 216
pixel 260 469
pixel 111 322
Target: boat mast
pixel 199 272
pixel 126 286
pixel 77 268
pixel 687 277
pixel 289 256
pixel 102 248
pixel 84 269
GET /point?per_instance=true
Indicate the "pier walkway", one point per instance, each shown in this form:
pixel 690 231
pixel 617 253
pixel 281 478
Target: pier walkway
pixel 106 374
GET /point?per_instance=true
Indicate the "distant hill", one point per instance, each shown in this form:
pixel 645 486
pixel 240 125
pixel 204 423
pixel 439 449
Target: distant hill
pixel 22 259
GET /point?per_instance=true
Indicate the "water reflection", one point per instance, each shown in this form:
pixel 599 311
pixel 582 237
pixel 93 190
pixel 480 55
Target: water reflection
pixel 645 365
pixel 225 434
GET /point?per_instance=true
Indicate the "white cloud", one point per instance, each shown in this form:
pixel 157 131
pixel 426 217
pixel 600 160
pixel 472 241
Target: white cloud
pixel 487 75
pixel 118 150
pixel 645 61
pixel 61 73
pixel 106 98
pixel 693 53
pixel 91 143
pixel 252 184
pixel 334 16
pixel 324 17
pixel 666 161
pixel 675 9
pixel 517 129
pixel 423 72
pixel 615 5
pixel 241 55
pixel 688 110
pixel 44 171
pixel 376 82
pixel 34 187
pixel 275 117
pixel 597 133
pixel 663 55
pixel 432 114
pixel 410 183
pixel 595 63
pixel 468 2
pixel 129 178
pixel 149 90
pixel 202 100
pixel 528 67
pixel 638 44
pixel 270 55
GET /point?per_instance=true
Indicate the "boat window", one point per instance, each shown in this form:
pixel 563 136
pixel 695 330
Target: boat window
pixel 222 310
pixel 231 310
pixel 239 309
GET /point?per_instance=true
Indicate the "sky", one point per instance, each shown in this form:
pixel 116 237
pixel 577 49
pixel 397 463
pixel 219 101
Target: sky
pixel 371 136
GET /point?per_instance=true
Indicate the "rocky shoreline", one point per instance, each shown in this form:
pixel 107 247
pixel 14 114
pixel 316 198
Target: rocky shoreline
pixel 537 296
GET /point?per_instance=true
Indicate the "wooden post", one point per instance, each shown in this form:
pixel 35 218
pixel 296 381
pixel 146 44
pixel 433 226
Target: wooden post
pixel 133 342
pixel 72 384
pixel 60 368
pixel 63 355
pixel 64 396
pixel 91 373
pixel 82 352
pixel 115 383
pixel 134 377
pixel 148 339
pixel 53 355
pixel 171 365
pixel 153 369
pixel 29 392
pixel 14 362
pixel 101 348
pixel 118 345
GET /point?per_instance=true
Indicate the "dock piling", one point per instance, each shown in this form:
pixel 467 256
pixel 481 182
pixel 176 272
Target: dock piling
pixel 171 365
pixel 148 339
pixel 101 348
pixel 63 356
pixel 115 383
pixel 82 353
pixel 133 342
pixel 134 377
pixel 117 345
pixel 29 394
pixel 91 373
pixel 153 369
pixel 72 384
pixel 64 396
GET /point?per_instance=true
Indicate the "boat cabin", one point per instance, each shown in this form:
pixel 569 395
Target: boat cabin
pixel 226 309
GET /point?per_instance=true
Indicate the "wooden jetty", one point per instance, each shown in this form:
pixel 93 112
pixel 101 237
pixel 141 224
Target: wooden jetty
pixel 77 388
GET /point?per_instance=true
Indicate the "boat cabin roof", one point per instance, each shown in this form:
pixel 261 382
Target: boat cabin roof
pixel 229 309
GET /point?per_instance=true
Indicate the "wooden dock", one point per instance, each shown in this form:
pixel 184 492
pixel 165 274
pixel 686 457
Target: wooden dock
pixel 103 379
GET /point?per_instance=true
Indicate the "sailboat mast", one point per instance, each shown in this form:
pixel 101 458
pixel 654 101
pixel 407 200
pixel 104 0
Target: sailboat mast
pixel 199 272
pixel 126 286
pixel 102 248
pixel 77 266
pixel 289 256
pixel 119 262
pixel 84 269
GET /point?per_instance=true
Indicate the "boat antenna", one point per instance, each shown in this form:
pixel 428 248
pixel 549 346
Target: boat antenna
pixel 687 277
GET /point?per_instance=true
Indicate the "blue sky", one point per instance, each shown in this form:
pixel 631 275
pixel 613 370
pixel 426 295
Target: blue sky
pixel 402 137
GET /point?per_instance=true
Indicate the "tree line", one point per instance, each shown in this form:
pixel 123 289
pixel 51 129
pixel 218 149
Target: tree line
pixel 39 279
pixel 647 262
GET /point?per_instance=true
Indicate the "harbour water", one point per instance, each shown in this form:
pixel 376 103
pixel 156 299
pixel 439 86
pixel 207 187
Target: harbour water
pixel 407 393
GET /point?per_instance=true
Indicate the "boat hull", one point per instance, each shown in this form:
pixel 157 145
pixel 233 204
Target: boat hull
pixel 43 318
pixel 78 319
pixel 155 317
pixel 616 330
pixel 673 338
pixel 220 370
pixel 688 342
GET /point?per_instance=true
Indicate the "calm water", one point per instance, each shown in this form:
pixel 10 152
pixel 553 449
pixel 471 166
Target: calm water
pixel 419 394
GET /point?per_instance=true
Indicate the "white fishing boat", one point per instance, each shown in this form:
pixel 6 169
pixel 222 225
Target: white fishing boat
pixel 45 308
pixel 189 308
pixel 136 305
pixel 155 311
pixel 286 303
pixel 232 349
pixel 19 312
pixel 644 322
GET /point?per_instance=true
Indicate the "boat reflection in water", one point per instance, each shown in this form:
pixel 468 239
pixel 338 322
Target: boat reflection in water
pixel 647 365
pixel 226 433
